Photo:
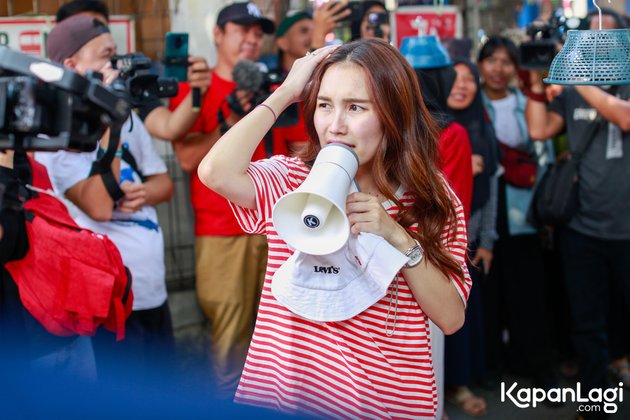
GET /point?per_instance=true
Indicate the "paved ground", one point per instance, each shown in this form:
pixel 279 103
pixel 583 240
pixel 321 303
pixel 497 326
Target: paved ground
pixel 193 343
pixel 498 410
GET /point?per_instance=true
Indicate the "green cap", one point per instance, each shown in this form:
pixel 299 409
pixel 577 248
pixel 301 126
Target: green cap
pixel 290 20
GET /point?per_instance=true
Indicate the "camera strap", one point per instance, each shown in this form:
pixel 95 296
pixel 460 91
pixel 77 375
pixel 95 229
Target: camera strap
pixel 103 165
pixel 234 104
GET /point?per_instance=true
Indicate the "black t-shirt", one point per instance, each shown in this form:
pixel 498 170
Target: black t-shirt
pixel 604 170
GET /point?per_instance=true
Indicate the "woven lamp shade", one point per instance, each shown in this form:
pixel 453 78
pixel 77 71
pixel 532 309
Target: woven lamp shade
pixel 592 58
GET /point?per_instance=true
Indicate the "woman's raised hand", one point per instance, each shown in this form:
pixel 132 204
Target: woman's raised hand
pixel 302 71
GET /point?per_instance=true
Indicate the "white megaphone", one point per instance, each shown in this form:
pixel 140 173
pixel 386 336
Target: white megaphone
pixel 312 219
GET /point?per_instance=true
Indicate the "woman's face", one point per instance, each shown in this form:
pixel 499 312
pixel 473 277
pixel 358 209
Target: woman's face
pixel 497 70
pixel 345 112
pixel 464 89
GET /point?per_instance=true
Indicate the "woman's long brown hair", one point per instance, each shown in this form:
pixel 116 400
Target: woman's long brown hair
pixel 408 155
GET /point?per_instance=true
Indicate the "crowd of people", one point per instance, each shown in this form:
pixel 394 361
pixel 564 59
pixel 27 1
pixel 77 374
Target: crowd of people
pixel 450 156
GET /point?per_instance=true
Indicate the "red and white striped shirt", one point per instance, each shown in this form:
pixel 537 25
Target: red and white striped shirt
pixel 354 369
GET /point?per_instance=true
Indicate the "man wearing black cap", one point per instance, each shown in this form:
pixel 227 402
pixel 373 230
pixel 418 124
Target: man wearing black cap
pixel 83 43
pixel 158 119
pixel 230 264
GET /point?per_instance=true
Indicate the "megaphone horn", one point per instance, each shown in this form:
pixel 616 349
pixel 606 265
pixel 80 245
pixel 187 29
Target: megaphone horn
pixel 312 219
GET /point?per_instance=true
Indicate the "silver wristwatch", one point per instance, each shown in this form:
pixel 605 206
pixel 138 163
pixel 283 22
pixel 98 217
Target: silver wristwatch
pixel 415 254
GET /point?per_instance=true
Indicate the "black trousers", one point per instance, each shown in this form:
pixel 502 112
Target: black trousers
pixel 464 352
pixel 515 298
pixel 593 269
pixel 147 352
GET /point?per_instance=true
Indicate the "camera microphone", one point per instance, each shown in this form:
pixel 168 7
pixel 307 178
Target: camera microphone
pixel 247 75
pixel 249 78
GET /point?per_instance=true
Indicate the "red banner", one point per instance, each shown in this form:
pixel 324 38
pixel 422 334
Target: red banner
pixel 445 22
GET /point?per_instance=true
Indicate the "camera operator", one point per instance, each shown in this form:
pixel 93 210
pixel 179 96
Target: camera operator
pixel 26 344
pixel 373 21
pixel 84 44
pixel 158 119
pixel 230 264
pixel 595 243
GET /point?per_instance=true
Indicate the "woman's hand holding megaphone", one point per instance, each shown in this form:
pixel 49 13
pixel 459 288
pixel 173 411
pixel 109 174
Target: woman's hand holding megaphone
pixel 367 214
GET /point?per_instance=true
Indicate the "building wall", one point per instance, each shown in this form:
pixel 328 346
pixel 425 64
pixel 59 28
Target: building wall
pixel 151 16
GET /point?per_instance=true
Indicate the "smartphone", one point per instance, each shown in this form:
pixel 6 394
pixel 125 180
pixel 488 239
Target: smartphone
pixel 176 56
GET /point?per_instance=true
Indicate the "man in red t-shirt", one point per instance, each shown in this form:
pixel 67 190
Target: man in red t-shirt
pixel 230 265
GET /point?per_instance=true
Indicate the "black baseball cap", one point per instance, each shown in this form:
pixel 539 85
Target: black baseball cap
pixel 69 35
pixel 245 14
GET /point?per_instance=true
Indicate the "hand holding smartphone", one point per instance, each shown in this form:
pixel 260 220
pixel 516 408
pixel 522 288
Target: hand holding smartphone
pixel 176 62
pixel 176 56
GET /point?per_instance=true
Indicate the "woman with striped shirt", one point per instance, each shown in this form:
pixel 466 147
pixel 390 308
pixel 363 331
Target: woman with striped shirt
pixel 376 364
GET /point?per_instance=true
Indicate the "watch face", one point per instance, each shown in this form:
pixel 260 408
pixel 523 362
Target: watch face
pixel 415 256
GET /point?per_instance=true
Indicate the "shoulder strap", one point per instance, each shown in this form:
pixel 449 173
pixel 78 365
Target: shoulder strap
pixel 131 161
pixel 103 166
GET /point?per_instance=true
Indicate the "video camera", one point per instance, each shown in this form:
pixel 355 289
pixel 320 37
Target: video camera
pixel 250 77
pixel 44 106
pixel 140 86
pixel 538 53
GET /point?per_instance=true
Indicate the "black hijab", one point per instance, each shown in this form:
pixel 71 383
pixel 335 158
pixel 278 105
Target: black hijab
pixel 482 140
pixel 436 85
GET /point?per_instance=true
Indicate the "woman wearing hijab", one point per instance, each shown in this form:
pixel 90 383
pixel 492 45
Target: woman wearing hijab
pixel 465 349
pixel 456 157
pixel 455 151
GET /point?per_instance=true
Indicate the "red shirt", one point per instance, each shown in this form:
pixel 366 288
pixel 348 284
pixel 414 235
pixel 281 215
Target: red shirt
pixel 213 216
pixel 294 133
pixel 456 156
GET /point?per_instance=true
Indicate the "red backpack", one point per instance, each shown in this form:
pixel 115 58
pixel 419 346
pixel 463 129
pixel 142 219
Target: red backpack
pixel 72 280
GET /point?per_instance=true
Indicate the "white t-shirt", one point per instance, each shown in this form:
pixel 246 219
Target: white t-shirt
pixel 505 124
pixel 138 236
